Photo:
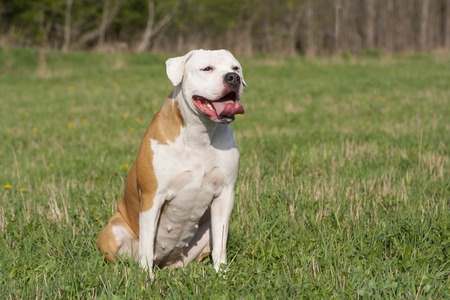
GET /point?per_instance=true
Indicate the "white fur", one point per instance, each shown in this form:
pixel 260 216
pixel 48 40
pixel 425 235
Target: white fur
pixel 196 171
pixel 148 221
pixel 187 69
pixel 175 68
pixel 126 242
pixel 191 175
pixel 220 217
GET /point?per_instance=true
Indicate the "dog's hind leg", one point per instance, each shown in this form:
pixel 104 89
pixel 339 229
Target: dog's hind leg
pixel 117 239
pixel 200 245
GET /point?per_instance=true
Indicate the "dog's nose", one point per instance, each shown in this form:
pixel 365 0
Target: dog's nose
pixel 233 79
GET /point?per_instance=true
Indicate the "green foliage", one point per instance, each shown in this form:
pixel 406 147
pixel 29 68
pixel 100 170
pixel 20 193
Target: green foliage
pixel 342 193
pixel 33 19
pixel 249 27
pixel 213 16
pixel 133 14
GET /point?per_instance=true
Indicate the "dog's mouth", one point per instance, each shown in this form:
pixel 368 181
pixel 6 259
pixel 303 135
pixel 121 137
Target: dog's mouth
pixel 221 110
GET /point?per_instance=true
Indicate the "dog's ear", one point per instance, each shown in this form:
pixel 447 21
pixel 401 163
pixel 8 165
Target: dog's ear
pixel 175 68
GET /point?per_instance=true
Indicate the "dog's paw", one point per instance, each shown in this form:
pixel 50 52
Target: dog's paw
pixel 220 267
pixel 147 268
pixel 151 275
pixel 219 261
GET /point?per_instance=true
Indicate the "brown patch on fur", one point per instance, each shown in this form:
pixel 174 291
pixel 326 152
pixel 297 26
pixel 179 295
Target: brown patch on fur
pixel 164 128
pixel 107 242
pixel 141 183
pixel 167 123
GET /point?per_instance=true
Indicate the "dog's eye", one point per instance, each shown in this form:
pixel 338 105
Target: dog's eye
pixel 207 69
pixel 235 68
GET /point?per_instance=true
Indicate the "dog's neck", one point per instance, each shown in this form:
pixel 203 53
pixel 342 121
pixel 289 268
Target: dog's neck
pixel 198 131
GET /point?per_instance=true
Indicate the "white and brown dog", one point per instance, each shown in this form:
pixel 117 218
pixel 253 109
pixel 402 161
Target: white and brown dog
pixel 180 191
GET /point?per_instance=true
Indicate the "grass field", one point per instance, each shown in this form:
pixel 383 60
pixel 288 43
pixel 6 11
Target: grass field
pixel 344 186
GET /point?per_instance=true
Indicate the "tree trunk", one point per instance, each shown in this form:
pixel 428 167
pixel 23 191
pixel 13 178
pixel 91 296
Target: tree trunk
pixel 390 22
pixel 145 41
pixel 109 13
pixel 293 25
pixel 310 45
pixel 104 23
pixel 243 33
pixel 42 67
pixel 337 24
pixel 151 29
pixel 370 24
pixel 67 25
pixel 423 30
pixel 446 24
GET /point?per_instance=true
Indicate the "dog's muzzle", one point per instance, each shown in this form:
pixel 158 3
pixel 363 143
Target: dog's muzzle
pixel 222 109
pixel 233 80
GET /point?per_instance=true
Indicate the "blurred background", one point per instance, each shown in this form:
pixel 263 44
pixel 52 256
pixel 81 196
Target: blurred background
pixel 247 27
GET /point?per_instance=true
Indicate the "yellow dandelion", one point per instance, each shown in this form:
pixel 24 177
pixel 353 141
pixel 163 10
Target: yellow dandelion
pixel 124 167
pixel 70 125
pixel 7 186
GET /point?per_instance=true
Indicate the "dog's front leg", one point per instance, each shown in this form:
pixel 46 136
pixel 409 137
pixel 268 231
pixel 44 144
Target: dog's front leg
pixel 148 222
pixel 220 216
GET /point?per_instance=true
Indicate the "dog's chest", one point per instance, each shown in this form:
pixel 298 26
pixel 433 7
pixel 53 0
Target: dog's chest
pixel 190 178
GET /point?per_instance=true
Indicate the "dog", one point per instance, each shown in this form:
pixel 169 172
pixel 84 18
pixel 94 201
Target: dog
pixel 179 193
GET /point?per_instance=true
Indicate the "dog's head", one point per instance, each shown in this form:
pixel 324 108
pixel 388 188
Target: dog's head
pixel 211 81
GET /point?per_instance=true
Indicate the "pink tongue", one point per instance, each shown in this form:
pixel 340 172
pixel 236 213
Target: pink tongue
pixel 228 108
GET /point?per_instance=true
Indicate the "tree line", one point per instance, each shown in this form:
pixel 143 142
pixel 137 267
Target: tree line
pixel 309 27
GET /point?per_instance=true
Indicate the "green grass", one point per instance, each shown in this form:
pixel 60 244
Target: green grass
pixel 344 186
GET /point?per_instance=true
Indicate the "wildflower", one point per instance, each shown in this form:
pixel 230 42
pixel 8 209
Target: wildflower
pixel 7 186
pixel 124 167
